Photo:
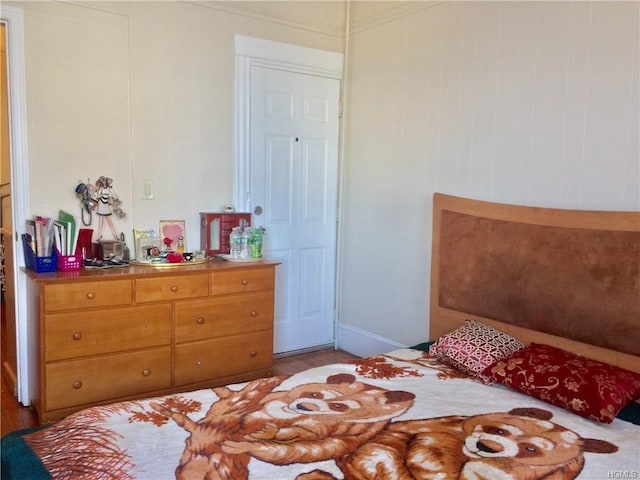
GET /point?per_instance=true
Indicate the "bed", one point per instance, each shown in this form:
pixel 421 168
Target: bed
pixel 531 371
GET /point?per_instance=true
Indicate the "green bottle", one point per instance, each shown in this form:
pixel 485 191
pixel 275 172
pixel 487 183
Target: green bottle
pixel 255 242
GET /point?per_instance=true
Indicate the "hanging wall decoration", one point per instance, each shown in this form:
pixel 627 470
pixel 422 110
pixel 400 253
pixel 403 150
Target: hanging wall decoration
pixel 102 199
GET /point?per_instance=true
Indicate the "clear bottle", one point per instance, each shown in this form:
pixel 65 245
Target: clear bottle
pixel 180 246
pixel 245 236
pixel 235 242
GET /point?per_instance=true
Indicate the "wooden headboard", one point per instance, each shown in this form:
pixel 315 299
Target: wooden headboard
pixel 569 278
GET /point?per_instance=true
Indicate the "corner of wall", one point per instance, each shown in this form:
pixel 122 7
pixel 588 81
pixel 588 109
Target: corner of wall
pixel 362 343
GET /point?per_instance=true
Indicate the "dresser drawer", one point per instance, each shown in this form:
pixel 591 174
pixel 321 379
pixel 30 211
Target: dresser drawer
pixel 236 281
pixel 221 316
pixel 172 288
pixel 72 296
pixel 76 334
pixel 96 379
pixel 210 359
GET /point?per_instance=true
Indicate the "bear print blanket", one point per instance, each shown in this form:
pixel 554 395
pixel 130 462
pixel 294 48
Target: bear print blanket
pixel 398 416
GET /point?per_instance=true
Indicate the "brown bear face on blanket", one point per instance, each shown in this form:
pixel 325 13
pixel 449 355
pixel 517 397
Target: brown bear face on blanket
pixel 340 399
pixel 522 444
pixel 525 444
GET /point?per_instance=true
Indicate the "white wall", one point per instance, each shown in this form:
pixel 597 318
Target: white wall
pixel 521 102
pixel 143 90
pixel 78 109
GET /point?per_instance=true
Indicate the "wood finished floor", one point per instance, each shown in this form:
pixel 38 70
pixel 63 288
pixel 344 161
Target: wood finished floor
pixel 17 417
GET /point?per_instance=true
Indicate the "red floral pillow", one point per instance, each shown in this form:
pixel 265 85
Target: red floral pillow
pixel 587 387
pixel 474 346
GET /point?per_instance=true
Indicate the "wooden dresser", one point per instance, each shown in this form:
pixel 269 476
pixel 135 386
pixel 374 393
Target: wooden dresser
pixel 115 334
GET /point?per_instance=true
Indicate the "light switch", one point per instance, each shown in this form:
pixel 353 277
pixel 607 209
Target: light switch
pixel 146 189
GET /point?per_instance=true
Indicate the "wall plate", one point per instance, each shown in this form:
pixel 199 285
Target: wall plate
pixel 146 189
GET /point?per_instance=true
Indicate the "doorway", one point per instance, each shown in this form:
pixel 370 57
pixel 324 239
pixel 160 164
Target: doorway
pixel 287 131
pixel 8 332
pixel 18 178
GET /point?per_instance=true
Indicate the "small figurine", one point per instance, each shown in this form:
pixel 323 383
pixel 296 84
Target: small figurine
pixel 108 204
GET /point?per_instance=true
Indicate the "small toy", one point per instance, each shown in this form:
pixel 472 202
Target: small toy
pixel 108 203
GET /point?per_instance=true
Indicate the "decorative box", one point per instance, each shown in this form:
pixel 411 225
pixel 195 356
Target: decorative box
pixel 215 229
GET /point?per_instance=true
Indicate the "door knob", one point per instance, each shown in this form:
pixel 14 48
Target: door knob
pixel 257 210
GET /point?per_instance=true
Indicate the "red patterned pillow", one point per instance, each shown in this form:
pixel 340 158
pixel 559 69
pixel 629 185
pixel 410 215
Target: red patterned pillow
pixel 587 387
pixel 474 346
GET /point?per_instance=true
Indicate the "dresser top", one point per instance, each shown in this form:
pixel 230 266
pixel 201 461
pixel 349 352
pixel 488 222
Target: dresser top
pixel 139 270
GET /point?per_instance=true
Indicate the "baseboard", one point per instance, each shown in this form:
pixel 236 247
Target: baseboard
pixel 302 351
pixel 363 343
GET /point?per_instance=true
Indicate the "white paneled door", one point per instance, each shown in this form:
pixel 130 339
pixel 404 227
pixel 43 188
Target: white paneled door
pixel 293 194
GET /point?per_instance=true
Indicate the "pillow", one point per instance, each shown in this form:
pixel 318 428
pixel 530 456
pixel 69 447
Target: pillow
pixel 473 346
pixel 587 387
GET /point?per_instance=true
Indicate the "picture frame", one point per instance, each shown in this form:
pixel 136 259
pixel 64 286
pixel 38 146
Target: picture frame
pixel 147 243
pixel 170 233
pixel 150 247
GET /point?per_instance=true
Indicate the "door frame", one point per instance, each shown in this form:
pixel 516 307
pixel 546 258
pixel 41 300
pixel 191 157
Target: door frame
pixel 249 52
pixel 16 79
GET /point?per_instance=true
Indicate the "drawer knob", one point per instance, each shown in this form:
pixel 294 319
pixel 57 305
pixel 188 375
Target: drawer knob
pixel 146 372
pixel 254 313
pixel 245 281
pixel 174 288
pixel 77 385
pixel 76 335
pixel 200 321
pixel 91 296
pixel 254 353
pixel 198 362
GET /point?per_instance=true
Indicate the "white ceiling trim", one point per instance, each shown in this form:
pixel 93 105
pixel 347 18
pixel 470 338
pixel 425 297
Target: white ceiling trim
pixel 393 13
pixel 244 9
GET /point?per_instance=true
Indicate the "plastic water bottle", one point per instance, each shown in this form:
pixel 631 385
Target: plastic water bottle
pixel 235 242
pixel 245 235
